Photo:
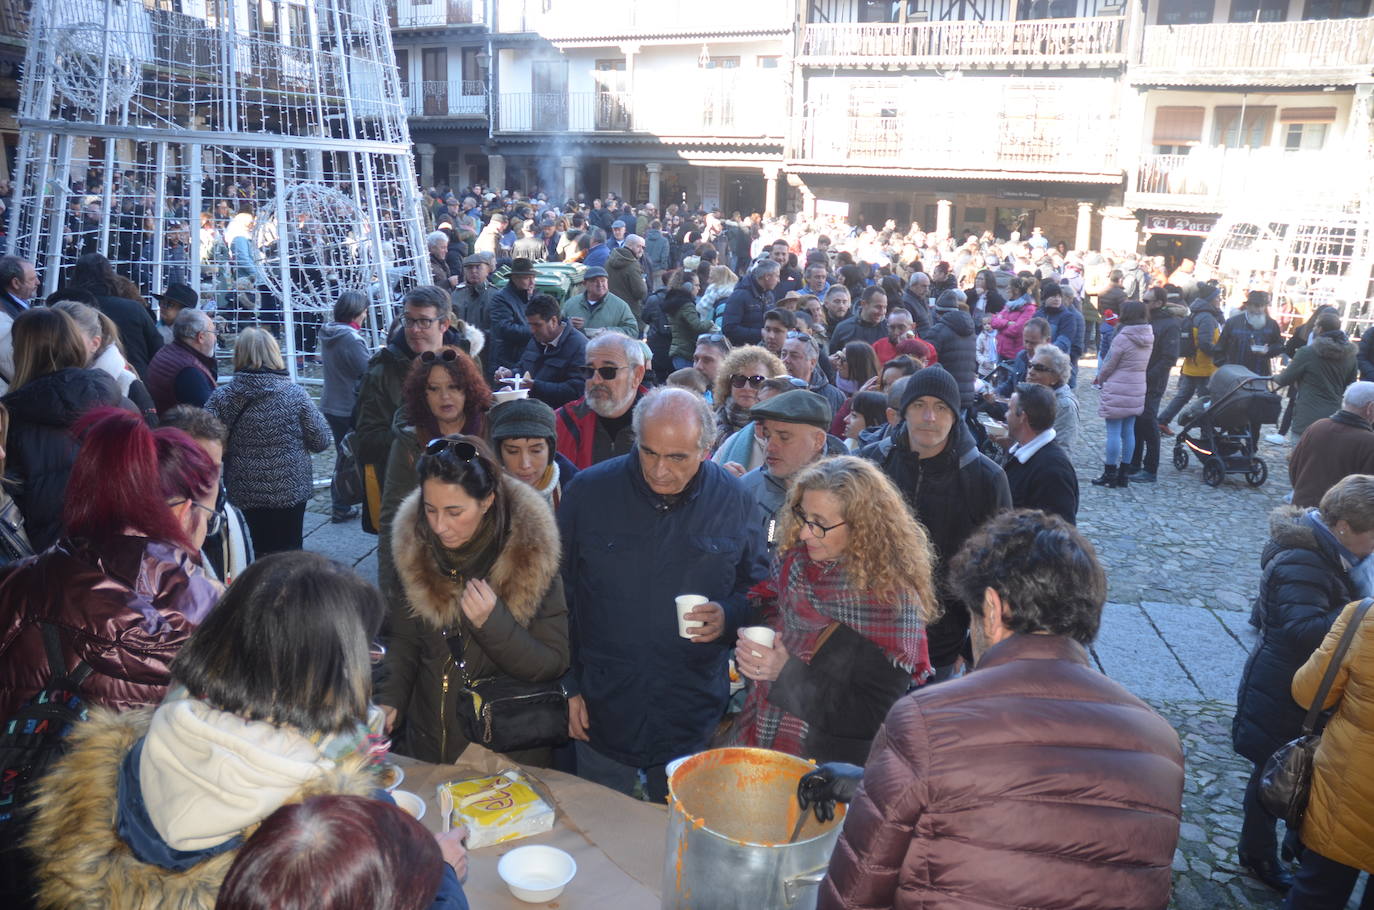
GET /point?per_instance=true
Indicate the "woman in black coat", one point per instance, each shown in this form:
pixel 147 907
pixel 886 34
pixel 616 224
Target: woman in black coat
pixel 1306 582
pixel 52 389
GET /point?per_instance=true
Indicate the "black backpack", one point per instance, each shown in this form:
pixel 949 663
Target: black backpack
pixel 35 737
pixel 1187 344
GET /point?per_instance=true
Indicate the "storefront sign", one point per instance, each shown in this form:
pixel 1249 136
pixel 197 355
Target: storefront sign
pixel 1190 225
pixel 832 207
pixel 1017 194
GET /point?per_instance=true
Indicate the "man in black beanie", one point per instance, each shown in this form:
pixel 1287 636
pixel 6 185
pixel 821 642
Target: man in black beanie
pixel 952 487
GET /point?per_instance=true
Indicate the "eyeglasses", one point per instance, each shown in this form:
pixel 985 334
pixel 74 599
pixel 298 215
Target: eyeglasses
pixel 448 355
pixel 606 373
pixel 739 381
pixel 213 521
pixel 1041 368
pixel 816 527
pixel 411 322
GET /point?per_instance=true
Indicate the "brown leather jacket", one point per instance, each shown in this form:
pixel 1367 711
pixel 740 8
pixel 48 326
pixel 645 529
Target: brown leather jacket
pixel 1035 781
pixel 125 609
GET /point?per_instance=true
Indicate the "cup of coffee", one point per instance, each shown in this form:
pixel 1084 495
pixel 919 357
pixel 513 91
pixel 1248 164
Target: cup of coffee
pixel 686 603
pixel 759 634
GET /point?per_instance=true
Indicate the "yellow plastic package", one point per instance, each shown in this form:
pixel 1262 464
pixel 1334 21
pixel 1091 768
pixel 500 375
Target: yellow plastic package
pixel 496 809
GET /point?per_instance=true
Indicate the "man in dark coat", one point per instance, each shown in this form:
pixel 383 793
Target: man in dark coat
pixel 747 304
pixel 1251 338
pixel 1039 473
pixel 1166 321
pixel 509 331
pixel 1066 325
pixel 951 486
pixel 555 358
pixel 137 329
pixel 956 343
pixel 974 794
pixel 1334 447
pixel 916 301
pixel 867 324
pixel 638 531
pixel 471 299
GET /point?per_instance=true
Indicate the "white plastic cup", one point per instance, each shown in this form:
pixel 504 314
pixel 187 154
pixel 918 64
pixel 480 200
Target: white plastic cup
pixel 686 603
pixel 759 634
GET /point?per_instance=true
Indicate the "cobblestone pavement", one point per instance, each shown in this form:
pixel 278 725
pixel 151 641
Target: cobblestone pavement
pixel 1182 561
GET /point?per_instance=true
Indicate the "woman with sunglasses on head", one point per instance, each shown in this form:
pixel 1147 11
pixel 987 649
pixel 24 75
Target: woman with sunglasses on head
pixel 848 601
pixel 274 426
pixel 123 588
pixel 444 394
pixel 737 386
pixel 477 557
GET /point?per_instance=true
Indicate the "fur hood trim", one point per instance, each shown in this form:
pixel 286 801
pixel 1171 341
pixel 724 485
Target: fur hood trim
pixel 521 575
pixel 1289 532
pixel 80 861
pixel 474 336
pixel 1333 346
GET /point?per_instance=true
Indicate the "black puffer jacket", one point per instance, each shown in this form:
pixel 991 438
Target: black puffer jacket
pixel 956 342
pixel 952 494
pixel 41 449
pixel 1303 589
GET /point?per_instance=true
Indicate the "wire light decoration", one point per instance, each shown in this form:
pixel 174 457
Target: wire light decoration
pixel 257 151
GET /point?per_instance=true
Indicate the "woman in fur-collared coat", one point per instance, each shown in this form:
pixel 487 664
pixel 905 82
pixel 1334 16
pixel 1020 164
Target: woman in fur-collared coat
pixel 477 554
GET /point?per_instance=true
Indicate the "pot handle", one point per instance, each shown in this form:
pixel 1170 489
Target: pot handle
pixel 793 886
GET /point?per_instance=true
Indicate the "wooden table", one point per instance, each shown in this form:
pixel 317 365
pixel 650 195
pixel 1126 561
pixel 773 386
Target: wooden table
pixel 617 841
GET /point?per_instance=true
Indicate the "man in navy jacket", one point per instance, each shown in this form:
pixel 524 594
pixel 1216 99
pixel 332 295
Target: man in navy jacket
pixel 638 531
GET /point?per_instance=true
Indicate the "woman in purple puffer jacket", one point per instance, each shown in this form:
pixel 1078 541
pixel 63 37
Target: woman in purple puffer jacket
pixel 1121 382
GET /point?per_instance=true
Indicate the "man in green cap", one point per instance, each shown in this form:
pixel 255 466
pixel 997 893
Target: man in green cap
pixel 794 426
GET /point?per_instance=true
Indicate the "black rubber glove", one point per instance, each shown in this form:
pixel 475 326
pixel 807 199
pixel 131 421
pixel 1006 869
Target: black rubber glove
pixel 830 783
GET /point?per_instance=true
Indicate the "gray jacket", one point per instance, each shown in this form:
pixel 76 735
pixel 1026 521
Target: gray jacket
pixel 770 495
pixel 345 356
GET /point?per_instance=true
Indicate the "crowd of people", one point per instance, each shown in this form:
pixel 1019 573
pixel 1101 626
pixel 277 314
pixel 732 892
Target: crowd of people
pixel 859 439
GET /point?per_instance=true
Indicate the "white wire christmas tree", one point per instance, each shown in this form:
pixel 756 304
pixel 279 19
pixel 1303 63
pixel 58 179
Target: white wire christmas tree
pixel 254 149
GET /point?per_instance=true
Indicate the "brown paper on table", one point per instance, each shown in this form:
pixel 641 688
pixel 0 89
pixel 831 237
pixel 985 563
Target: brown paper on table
pixel 617 841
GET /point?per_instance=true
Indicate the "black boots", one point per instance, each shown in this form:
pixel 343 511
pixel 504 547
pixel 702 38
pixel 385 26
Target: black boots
pixel 1108 478
pixel 1121 473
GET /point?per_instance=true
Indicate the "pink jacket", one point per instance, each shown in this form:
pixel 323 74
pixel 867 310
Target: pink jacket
pixel 1122 375
pixel 1010 324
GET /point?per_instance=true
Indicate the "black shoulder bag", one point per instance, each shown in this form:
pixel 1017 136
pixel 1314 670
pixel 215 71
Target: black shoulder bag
pixel 505 714
pixel 1287 779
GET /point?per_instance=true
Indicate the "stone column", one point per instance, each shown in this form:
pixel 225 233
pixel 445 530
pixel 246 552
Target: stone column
pixel 1120 229
pixel 569 166
pixel 655 175
pixel 770 190
pixel 496 173
pixel 1082 237
pixel 425 151
pixel 942 213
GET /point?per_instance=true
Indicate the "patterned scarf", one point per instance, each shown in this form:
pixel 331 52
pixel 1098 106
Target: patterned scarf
pixel 806 597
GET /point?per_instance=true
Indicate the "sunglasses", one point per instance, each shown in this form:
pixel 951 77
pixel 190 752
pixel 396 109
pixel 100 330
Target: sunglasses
pixel 1040 368
pixel 739 381
pixel 448 355
pixel 463 451
pixel 606 373
pixel 714 337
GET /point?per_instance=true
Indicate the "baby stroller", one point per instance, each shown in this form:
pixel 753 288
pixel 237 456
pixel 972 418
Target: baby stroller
pixel 1224 431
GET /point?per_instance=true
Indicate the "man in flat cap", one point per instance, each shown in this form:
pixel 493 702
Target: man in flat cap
pixel 472 298
pixel 794 426
pixel 596 309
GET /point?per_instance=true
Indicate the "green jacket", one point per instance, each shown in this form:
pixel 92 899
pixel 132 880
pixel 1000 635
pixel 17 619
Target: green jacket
pixel 687 324
pixel 626 277
pixel 1320 371
pixel 610 313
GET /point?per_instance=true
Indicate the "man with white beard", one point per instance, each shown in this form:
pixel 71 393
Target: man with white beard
pixel 596 426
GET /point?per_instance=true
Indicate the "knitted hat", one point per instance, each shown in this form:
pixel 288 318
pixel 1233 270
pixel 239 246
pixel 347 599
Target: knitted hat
pixel 935 382
pixel 523 418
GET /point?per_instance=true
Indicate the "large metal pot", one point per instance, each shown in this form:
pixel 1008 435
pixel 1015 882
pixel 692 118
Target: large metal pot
pixel 730 814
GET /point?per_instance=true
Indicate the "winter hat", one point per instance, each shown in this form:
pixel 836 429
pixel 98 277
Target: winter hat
pixel 1208 292
pixel 936 382
pixel 523 418
pixel 950 299
pixel 1050 289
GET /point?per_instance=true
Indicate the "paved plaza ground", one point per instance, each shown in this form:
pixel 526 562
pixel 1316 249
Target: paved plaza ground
pixel 1182 561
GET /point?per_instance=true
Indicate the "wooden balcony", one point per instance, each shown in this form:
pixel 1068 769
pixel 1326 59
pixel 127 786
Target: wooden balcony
pixel 1215 179
pixel 574 21
pixel 1326 51
pixel 721 111
pixel 1070 149
pixel 14 22
pixel 1061 43
pixel 452 98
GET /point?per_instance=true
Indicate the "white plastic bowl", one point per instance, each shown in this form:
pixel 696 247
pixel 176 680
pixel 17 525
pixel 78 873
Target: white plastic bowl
pixel 505 395
pixel 536 873
pixel 409 802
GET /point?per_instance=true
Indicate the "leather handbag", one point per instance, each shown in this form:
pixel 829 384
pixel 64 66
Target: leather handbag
pixel 505 714
pixel 1286 782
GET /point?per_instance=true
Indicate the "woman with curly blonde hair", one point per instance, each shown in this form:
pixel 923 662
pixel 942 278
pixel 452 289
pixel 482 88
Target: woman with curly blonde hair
pixel 738 381
pixel 849 599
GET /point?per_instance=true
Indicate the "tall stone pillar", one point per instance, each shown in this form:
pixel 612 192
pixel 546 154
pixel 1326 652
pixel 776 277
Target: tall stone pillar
pixel 496 173
pixel 655 187
pixel 569 166
pixel 770 190
pixel 425 151
pixel 1082 236
pixel 942 219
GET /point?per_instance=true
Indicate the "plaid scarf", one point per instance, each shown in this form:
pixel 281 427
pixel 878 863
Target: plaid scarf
pixel 806 597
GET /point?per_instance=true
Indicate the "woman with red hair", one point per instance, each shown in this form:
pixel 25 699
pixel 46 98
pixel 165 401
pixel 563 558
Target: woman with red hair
pixel 124 588
pixel 444 394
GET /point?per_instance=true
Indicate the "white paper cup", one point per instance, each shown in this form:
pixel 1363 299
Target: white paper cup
pixel 760 634
pixel 685 604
